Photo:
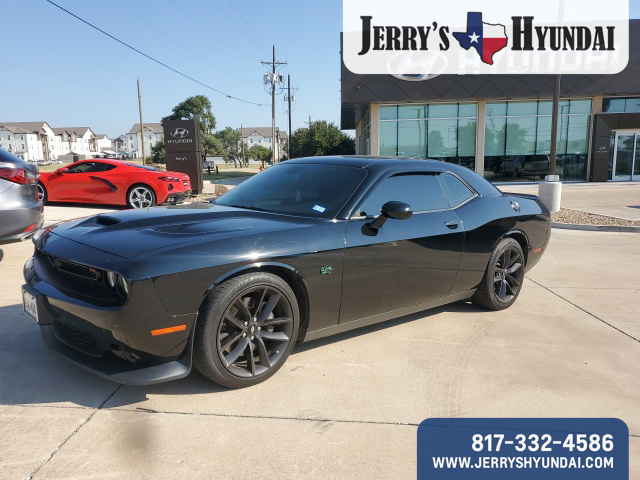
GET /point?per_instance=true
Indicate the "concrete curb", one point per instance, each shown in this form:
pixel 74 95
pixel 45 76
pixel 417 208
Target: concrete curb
pixel 596 228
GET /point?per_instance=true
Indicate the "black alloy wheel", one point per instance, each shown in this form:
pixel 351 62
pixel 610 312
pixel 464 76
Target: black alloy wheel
pixel 255 331
pixel 508 274
pixel 246 330
pixel 503 277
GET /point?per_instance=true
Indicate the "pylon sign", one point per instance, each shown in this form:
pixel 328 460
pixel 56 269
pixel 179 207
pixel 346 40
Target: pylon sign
pixel 182 150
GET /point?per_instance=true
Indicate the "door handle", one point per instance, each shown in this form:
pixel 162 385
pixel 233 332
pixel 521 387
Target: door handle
pixel 452 224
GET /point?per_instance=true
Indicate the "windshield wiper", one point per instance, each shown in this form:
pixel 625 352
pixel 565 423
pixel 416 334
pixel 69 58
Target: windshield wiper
pixel 257 209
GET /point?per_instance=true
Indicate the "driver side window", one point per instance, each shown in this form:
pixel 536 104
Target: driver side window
pixel 422 192
pixel 80 167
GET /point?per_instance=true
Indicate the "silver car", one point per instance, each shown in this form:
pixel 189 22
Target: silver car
pixel 21 212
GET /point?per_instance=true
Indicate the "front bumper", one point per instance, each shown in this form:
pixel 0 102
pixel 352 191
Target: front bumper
pixel 109 339
pixel 116 371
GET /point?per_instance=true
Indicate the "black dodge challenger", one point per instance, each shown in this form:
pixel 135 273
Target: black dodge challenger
pixel 306 249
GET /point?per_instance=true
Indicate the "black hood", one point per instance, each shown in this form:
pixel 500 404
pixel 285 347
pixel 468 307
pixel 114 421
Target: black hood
pixel 133 232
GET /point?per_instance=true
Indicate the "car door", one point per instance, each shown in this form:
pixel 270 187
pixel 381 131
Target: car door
pixel 64 184
pixel 102 182
pixel 407 262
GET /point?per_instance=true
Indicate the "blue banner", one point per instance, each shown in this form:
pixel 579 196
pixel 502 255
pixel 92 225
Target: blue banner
pixel 523 448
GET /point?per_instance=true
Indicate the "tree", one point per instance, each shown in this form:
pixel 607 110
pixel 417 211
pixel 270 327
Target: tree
pixel 157 153
pixel 230 148
pixel 259 154
pixel 195 107
pixel 321 138
pixel 211 145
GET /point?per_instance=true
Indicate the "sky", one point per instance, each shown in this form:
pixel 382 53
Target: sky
pixel 59 70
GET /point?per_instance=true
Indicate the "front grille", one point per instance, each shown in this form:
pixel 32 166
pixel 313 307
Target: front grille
pixel 73 269
pixel 77 338
pixel 77 270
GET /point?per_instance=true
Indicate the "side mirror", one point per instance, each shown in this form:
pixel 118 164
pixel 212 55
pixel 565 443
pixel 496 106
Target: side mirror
pixel 62 170
pixel 395 210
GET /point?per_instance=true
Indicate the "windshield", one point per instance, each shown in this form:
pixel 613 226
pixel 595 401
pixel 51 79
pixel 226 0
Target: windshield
pixel 308 190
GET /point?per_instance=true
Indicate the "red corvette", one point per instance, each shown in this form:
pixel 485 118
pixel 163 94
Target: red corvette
pixel 114 183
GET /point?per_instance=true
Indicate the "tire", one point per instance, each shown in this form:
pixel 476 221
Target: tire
pixel 141 196
pixel 500 286
pixel 42 193
pixel 229 340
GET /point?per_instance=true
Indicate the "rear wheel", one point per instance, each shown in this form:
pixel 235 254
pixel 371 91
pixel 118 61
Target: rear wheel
pixel 141 196
pixel 246 330
pixel 503 277
pixel 42 193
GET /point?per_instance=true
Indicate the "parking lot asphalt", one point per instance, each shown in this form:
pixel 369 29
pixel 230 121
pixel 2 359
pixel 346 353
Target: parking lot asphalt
pixel 341 407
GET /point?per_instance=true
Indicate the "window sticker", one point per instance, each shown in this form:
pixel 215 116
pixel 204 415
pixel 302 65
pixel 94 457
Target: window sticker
pixel 319 208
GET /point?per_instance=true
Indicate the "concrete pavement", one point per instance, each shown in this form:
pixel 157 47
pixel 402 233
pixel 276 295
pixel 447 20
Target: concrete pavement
pixel 342 407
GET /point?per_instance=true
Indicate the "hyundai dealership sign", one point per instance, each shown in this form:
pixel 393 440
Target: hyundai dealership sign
pixel 417 39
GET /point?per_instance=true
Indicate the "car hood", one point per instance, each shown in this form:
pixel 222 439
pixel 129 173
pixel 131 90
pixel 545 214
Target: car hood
pixel 133 232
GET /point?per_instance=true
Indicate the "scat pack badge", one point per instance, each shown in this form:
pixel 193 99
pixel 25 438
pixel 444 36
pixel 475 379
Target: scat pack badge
pixel 326 270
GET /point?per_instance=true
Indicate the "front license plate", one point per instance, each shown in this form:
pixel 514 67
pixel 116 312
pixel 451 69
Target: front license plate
pixel 30 305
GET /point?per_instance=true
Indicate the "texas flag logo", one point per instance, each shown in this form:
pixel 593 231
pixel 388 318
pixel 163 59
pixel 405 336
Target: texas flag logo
pixel 486 38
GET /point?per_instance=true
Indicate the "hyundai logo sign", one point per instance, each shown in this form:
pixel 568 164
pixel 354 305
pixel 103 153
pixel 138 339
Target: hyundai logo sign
pixel 179 132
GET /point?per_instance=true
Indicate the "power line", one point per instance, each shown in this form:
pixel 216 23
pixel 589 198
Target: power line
pixel 251 29
pixel 153 59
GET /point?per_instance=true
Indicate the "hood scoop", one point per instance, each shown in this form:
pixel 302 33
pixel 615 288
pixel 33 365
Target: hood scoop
pixel 106 221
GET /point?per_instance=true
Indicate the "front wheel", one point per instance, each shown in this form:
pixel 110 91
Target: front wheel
pixel 246 330
pixel 42 193
pixel 503 277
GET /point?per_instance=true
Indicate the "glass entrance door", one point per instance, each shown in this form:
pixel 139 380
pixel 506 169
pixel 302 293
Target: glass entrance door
pixel 626 159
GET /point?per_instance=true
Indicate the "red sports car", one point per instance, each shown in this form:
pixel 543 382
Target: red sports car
pixel 114 183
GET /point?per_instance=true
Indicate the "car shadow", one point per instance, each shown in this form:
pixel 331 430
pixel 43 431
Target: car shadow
pixel 92 206
pixel 31 374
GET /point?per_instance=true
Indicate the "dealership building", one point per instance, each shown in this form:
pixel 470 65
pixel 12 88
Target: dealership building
pixel 500 125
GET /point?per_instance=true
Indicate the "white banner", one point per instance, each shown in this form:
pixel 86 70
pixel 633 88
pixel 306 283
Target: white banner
pixel 415 39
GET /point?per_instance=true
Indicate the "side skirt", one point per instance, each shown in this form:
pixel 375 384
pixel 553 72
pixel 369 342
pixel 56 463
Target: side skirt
pixel 383 317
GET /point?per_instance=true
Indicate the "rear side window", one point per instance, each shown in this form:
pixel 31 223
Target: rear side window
pixel 8 157
pixel 422 192
pixel 457 191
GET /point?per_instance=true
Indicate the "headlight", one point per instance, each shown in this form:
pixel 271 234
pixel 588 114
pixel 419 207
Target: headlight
pixel 111 278
pixel 38 235
pixel 124 285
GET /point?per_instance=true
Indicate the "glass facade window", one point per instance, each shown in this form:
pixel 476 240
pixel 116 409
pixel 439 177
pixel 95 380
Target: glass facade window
pixel 621 105
pixel 437 131
pixel 364 146
pixel 518 140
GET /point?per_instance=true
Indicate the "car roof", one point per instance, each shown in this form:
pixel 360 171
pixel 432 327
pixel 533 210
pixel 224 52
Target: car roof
pixel 99 160
pixel 377 164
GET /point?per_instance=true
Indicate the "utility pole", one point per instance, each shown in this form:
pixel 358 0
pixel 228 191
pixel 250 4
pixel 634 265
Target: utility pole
pixel 289 99
pixel 141 124
pixel 309 122
pixel 274 81
pixel 242 146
